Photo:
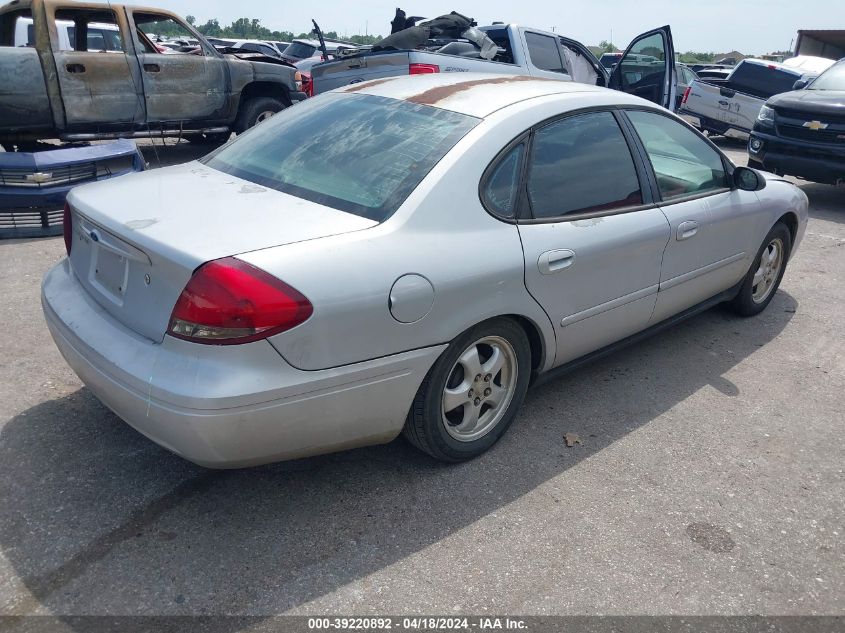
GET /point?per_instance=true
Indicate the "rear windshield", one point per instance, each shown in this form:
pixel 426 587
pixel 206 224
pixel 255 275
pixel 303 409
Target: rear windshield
pixel 762 80
pixel 300 50
pixel 831 79
pixel 356 153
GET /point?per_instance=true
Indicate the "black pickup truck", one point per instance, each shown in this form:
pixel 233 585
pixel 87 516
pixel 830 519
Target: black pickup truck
pixel 802 133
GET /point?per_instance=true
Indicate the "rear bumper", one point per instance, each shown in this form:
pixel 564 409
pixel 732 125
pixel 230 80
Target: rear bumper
pixel 817 162
pixel 712 125
pixel 227 406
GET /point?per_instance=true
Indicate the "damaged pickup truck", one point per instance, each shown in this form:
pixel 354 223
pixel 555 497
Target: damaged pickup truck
pixel 454 43
pixel 84 91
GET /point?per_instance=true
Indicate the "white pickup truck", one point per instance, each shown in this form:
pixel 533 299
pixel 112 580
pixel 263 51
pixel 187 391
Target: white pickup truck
pixel 730 106
pixel 645 69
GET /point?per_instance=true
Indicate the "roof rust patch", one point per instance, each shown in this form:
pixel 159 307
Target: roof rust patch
pixel 434 95
pixel 367 84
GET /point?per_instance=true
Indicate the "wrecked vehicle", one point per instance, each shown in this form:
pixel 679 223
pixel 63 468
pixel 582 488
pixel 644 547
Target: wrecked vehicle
pixel 85 94
pixel 33 186
pixel 454 43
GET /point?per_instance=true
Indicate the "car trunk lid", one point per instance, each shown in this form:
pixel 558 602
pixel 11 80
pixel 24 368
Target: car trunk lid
pixel 138 239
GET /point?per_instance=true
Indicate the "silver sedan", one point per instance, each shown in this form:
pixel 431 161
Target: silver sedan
pixel 405 255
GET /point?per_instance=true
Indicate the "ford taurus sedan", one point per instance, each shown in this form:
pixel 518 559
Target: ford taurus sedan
pixel 405 255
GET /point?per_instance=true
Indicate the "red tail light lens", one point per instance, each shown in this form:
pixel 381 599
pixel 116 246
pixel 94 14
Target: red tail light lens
pixel 686 95
pixel 67 228
pixel 307 85
pixel 228 302
pixel 423 69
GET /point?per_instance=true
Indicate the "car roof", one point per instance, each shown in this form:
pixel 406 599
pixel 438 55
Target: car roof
pixel 477 94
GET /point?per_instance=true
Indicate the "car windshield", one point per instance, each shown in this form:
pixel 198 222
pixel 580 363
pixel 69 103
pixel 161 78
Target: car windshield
pixel 832 79
pixel 356 153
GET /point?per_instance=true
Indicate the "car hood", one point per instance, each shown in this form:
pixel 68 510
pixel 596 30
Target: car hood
pixel 192 213
pixel 811 101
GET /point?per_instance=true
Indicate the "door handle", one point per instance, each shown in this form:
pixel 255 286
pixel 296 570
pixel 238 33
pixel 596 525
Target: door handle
pixel 686 230
pixel 552 262
pixel 152 68
pixel 75 68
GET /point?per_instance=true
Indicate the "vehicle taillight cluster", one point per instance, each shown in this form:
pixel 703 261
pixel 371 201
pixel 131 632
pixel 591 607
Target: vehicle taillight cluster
pixel 423 69
pixel 686 95
pixel 228 302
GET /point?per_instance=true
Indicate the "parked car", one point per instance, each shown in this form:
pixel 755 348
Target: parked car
pixel 101 37
pixel 303 49
pixel 48 91
pixel 257 46
pixel 520 51
pixel 802 132
pixel 33 185
pixel 409 253
pixel 731 106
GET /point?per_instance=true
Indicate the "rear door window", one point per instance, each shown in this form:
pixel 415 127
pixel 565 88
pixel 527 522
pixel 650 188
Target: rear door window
pixel 581 164
pixel 544 52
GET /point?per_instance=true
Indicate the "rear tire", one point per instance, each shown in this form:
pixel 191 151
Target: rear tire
pixel 472 393
pixel 764 277
pixel 255 111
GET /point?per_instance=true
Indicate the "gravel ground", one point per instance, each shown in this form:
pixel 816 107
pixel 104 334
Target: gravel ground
pixel 709 480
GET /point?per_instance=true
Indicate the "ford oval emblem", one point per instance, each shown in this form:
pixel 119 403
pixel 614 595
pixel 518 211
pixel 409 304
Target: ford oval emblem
pixel 94 236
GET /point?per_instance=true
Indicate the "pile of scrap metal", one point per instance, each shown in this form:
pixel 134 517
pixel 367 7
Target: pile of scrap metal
pixel 33 186
pixel 453 30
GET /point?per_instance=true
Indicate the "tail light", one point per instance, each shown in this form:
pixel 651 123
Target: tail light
pixel 686 95
pixel 228 302
pixel 67 228
pixel 297 79
pixel 423 69
pixel 307 85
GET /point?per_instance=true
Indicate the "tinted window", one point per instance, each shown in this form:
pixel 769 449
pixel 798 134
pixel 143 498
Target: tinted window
pixel 544 52
pixel 762 80
pixel 580 164
pixel 357 153
pixel 500 190
pixel 683 161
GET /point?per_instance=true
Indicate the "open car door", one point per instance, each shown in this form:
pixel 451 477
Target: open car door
pixel 647 69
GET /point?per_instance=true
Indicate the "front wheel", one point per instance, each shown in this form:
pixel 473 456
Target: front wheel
pixel 764 277
pixel 472 394
pixel 255 111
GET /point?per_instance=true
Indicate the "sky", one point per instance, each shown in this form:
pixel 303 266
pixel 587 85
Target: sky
pixel 749 26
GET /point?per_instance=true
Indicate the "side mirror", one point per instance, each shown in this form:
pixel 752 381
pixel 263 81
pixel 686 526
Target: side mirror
pixel 747 179
pixel 800 84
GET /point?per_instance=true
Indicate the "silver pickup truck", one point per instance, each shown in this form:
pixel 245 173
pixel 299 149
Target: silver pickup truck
pixel 730 106
pixel 75 88
pixel 646 69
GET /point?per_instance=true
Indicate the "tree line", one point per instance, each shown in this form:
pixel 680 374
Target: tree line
pixel 252 29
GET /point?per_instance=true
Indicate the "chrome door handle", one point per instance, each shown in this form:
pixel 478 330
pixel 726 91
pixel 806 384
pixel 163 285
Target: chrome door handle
pixel 686 230
pixel 552 262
